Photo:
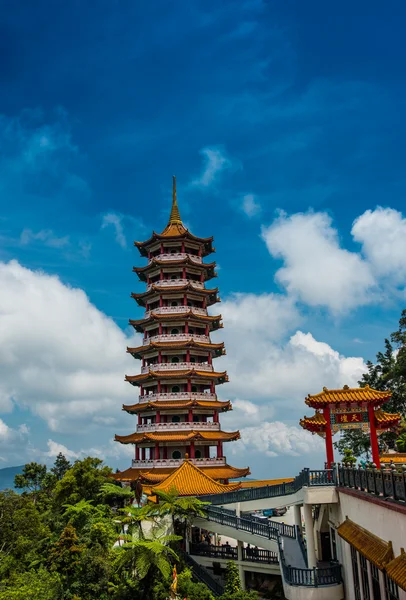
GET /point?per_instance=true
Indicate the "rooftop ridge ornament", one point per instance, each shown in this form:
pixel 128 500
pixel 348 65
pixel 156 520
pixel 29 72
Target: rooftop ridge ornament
pixel 174 218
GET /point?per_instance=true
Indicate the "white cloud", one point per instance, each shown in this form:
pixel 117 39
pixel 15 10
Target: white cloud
pixel 382 233
pixel 114 220
pixel 60 357
pixel 215 162
pixel 276 439
pixel 250 206
pixel 54 448
pixel 12 441
pixel 46 236
pixel 316 269
pixel 267 366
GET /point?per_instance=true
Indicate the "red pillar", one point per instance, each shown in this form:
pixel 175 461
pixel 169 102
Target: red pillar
pixel 161 302
pixel 137 453
pixel 159 357
pixel 189 385
pixel 156 454
pixel 206 451
pixel 209 359
pixel 142 453
pixel 187 355
pixel 184 273
pixel 219 449
pixel 190 416
pixel 158 417
pixel 184 300
pixel 162 249
pixel 192 449
pixel 207 330
pixel 139 418
pixel 212 387
pixel 329 438
pixel 186 327
pixel 216 416
pixel 373 436
pixel 165 456
pixel 159 386
pixel 183 247
pixel 161 274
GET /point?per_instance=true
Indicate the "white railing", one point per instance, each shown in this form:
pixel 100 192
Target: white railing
pixel 175 282
pixel 164 310
pixel 177 366
pixel 176 256
pixel 177 337
pixel 182 425
pixel 176 396
pixel 172 462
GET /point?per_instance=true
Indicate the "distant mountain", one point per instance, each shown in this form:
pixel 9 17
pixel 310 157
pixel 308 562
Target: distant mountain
pixel 7 477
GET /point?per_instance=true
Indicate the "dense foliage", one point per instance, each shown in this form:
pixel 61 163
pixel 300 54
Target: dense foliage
pixel 387 373
pixel 72 534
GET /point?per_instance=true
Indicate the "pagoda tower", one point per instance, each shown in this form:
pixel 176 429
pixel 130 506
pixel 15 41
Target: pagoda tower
pixel 177 409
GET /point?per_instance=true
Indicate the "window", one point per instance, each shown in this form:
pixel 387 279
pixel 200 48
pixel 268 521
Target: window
pixel 198 454
pixel 364 577
pixel 175 389
pixel 174 331
pixel 194 388
pixel 376 588
pixel 175 359
pixel 176 454
pixel 174 303
pixel 392 590
pixel 196 418
pixel 191 331
pixel 189 303
pixel 354 562
pixel 176 419
pixel 192 359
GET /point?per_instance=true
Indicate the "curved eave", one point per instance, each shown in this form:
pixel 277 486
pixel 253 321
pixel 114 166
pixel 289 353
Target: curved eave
pixel 139 324
pixel 171 404
pixel 173 263
pixel 155 288
pixel 348 395
pixel 216 349
pixel 315 424
pixel 177 436
pixel 207 243
pixel 384 420
pixel 180 374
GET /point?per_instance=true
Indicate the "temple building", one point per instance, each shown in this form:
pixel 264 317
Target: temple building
pixel 178 413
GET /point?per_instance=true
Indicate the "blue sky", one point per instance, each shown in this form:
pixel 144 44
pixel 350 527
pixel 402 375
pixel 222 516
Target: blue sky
pixel 283 122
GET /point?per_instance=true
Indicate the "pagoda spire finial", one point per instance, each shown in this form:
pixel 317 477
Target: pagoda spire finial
pixel 174 218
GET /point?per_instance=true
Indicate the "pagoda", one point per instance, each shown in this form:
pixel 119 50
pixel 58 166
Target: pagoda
pixel 177 410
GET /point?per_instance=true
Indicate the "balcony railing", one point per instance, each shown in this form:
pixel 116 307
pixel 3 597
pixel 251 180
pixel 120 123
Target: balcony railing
pixel 176 282
pixel 325 477
pixel 176 337
pixel 177 256
pixel 176 462
pixel 177 366
pixel 176 396
pixel 182 425
pixel 230 553
pixel 388 483
pixel 175 310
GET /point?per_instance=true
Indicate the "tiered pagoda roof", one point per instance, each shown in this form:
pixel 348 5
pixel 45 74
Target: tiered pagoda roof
pixel 189 480
pixel 162 405
pixel 178 410
pixel 348 395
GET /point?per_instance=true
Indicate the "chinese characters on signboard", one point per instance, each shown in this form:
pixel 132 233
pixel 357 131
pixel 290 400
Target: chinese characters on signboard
pixel 349 419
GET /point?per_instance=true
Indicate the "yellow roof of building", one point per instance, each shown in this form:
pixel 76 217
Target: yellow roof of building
pixel 162 404
pixel 384 418
pixel 189 480
pixel 396 457
pixel 177 436
pixel 155 475
pixel 347 395
pixel 376 550
pixel 396 569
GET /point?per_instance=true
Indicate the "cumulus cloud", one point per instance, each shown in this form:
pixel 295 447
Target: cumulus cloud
pixel 54 448
pixel 60 357
pixel 270 361
pixel 276 439
pixel 382 233
pixel 250 206
pixel 12 440
pixel 215 162
pixel 45 236
pixel 316 269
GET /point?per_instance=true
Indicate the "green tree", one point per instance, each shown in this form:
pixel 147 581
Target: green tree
pixel 401 443
pixel 179 507
pixel 65 555
pixel 233 583
pixel 33 585
pixel 31 479
pixel 115 494
pixel 61 466
pixel 187 588
pixel 83 481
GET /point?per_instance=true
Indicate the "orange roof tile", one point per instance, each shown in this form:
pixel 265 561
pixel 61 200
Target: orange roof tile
pixel 396 569
pixel 387 419
pixel 347 395
pixel 175 436
pixel 369 545
pixel 221 376
pixel 396 457
pixel 186 316
pixel 189 480
pixel 159 474
pixel 170 263
pixel 175 345
pixel 161 404
pixel 315 423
